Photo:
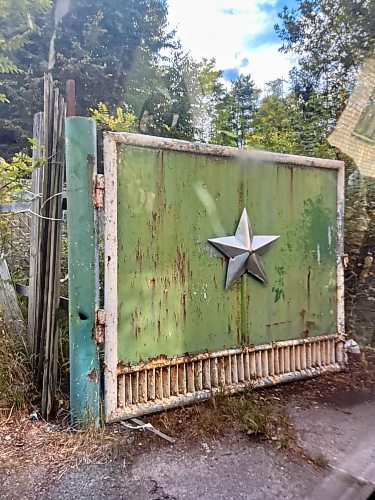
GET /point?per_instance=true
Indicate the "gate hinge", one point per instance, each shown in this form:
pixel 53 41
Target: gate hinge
pixel 98 190
pixel 99 326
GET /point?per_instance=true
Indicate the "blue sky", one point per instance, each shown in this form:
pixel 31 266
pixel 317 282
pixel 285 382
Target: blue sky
pixel 239 34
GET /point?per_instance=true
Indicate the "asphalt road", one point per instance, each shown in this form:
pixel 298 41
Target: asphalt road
pixel 336 423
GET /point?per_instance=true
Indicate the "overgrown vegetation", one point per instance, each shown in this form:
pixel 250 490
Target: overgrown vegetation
pixel 13 175
pixel 251 412
pixel 15 373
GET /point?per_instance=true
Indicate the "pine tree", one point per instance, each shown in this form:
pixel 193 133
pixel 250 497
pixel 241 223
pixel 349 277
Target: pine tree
pixel 234 112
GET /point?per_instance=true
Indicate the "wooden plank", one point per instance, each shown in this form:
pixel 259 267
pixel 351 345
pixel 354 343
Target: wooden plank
pixel 38 137
pixel 70 98
pixel 53 206
pixel 45 248
pixel 48 382
pixel 52 210
pixel 9 308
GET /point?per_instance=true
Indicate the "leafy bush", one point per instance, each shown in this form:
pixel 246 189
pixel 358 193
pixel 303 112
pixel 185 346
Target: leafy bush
pixel 120 121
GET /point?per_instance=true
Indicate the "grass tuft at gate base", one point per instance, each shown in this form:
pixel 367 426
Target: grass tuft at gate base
pixel 15 373
pixel 257 414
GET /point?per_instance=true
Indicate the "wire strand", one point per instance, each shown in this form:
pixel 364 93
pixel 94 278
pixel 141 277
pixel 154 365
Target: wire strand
pixel 43 217
pixel 50 198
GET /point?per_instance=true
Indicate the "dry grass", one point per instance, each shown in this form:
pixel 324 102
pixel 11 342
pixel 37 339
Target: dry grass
pixel 250 412
pixel 15 377
pixel 261 414
pixel 25 442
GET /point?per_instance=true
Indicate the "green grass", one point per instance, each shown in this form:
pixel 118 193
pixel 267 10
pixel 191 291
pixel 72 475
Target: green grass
pixel 253 414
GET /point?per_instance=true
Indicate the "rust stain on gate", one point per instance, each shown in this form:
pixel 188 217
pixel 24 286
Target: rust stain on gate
pixel 175 332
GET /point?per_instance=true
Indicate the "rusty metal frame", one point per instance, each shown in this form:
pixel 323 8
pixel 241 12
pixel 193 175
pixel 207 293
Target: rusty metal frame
pixel 117 396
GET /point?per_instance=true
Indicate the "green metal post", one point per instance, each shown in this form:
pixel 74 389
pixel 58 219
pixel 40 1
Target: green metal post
pixel 80 134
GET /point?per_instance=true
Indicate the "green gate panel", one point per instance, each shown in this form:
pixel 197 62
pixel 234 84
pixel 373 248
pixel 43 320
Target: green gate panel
pixel 171 282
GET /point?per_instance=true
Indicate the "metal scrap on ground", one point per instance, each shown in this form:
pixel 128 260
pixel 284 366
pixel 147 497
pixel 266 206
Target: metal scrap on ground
pixel 138 425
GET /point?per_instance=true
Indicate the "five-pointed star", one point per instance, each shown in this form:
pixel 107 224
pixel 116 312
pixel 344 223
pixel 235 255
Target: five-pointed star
pixel 243 250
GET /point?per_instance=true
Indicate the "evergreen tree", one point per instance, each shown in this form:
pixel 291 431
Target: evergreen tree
pixel 21 22
pixel 331 38
pixel 288 124
pixel 234 111
pixel 175 99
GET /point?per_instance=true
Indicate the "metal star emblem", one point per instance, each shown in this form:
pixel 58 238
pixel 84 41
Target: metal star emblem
pixel 244 250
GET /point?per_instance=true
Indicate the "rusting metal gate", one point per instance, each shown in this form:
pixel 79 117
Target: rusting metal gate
pixel 185 316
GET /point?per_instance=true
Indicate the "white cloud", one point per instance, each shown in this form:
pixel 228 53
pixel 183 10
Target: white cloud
pixel 206 29
pixel 266 63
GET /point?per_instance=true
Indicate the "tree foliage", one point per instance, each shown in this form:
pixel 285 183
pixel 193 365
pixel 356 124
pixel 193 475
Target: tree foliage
pixel 234 112
pixel 331 38
pixel 94 44
pixel 168 111
pixel 276 125
pixel 175 98
pixel 329 33
pixel 97 41
pixel 13 175
pixel 17 25
pixel 287 124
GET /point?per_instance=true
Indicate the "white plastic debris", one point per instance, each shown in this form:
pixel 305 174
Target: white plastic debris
pixel 352 347
pixel 141 427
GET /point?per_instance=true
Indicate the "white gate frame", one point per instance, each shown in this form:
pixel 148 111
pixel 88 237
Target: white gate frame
pixel 155 386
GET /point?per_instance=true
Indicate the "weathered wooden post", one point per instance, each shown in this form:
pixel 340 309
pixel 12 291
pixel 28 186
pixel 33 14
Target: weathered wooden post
pixel 36 188
pixel 80 137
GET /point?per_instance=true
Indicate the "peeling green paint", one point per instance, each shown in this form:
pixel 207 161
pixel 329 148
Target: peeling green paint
pixel 171 282
pixel 80 136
